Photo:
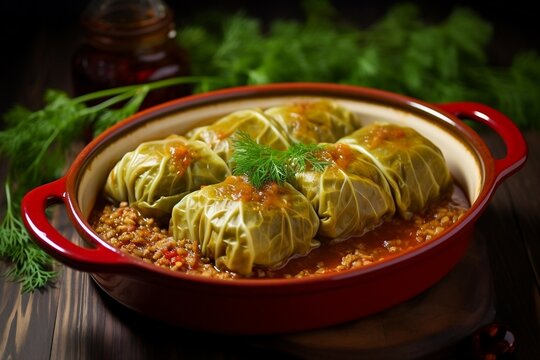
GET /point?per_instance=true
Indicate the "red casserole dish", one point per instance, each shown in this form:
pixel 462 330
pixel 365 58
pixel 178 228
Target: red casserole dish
pixel 274 305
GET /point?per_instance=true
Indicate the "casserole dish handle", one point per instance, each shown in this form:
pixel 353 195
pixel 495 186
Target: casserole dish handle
pixel 516 147
pixel 33 208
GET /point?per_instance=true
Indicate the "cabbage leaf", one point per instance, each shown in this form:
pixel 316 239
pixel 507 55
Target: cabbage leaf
pixel 241 227
pixel 413 165
pixel 313 122
pixel 351 196
pixel 157 174
pixel 220 134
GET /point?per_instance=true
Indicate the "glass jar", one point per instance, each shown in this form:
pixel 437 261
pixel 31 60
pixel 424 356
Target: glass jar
pixel 129 42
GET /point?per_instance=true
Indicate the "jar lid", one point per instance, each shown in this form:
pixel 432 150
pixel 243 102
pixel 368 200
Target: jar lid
pixel 126 18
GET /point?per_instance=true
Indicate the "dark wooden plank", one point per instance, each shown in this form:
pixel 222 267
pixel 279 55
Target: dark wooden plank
pixel 524 194
pixel 511 225
pixel 26 320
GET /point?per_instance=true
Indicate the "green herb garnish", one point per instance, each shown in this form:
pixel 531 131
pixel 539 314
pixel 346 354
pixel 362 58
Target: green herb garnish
pixel 262 164
pixel 31 265
pixel 401 52
pixel 37 145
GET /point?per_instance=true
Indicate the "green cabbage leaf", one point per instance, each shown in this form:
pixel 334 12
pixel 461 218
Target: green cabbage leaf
pixel 313 122
pixel 241 227
pixel 158 174
pixel 413 165
pixel 351 196
pixel 220 134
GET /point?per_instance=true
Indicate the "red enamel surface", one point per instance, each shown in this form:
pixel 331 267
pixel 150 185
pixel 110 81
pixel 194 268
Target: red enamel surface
pixel 277 305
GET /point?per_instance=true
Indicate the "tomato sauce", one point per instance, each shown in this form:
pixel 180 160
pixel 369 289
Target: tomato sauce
pixel 387 240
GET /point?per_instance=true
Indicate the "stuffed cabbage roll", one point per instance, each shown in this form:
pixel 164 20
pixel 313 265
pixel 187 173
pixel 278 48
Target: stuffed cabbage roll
pixel 312 122
pixel 351 196
pixel 412 164
pixel 241 227
pixel 219 135
pixel 157 174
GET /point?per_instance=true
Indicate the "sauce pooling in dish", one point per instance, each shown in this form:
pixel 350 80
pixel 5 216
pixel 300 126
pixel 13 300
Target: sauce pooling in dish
pixel 142 237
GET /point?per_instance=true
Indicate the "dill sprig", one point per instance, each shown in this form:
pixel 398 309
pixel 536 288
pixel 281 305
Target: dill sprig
pixel 31 266
pixel 440 61
pixel 262 164
pixel 37 145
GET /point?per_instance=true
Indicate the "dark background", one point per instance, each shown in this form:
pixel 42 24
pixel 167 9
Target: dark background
pixel 23 21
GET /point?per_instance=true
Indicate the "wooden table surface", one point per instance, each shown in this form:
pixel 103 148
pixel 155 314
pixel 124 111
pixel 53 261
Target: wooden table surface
pixel 75 320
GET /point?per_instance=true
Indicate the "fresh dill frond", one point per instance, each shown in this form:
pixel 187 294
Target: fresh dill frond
pixel 31 266
pixel 263 164
pixel 37 145
pixel 439 62
pixel 301 155
pixel 259 162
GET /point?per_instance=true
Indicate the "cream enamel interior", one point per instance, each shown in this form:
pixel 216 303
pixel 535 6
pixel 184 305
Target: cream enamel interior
pixel 462 161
